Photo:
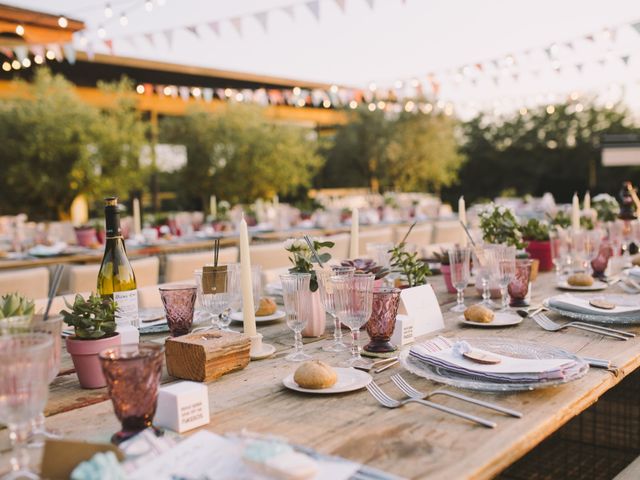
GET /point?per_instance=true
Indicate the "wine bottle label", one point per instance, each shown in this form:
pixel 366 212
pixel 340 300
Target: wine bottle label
pixel 127 307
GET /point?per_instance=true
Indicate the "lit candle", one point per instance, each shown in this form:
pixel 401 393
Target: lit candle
pixel 213 206
pixel 462 211
pixel 248 309
pixel 586 205
pixel 354 244
pixel 575 213
pixel 276 201
pixel 137 221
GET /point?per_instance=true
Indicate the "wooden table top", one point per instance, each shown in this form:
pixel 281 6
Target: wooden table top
pixel 413 441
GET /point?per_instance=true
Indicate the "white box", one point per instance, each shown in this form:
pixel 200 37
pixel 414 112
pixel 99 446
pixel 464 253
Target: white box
pixel 129 335
pixel 182 406
pixel 403 331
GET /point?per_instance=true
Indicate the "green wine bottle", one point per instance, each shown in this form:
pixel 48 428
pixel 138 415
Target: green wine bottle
pixel 116 278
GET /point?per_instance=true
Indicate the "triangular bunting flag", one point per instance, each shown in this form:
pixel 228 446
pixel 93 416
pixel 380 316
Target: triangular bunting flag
pixel 207 94
pixel 237 24
pixel 261 17
pixel 7 52
pixel 579 67
pixel 569 45
pixel 149 38
pixel 69 53
pixel 314 8
pixel 215 27
pixel 168 35
pixel 479 67
pixel 625 59
pixel 370 3
pixel 58 51
pixel 109 45
pixel 21 52
pixel 636 27
pixel 548 52
pixel 289 11
pixel 35 49
pixel 193 29
pixel 184 93
pixel 342 5
pixel 589 38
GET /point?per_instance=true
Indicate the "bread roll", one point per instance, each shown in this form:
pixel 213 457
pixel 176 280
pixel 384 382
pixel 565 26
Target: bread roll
pixel 479 314
pixel 315 375
pixel 580 280
pixel 267 307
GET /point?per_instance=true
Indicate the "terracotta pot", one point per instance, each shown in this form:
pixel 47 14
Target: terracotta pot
pixel 316 317
pixel 86 237
pixel 446 273
pixel 541 251
pixel 84 354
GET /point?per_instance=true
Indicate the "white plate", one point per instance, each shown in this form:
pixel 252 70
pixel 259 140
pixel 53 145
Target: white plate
pixel 597 285
pixel 349 380
pixel 279 315
pixel 500 319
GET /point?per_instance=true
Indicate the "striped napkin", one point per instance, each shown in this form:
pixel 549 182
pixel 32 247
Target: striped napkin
pixel 574 303
pixel 441 352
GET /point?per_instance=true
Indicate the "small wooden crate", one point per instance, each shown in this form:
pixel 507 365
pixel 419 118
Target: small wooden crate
pixel 205 356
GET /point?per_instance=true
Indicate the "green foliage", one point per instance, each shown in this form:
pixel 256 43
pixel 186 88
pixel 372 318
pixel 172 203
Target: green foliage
pixel 535 230
pixel 540 152
pixel 606 206
pixel 303 259
pixel 499 225
pixel 16 305
pixel 93 318
pixel 409 152
pixel 414 270
pixel 54 146
pixel 240 156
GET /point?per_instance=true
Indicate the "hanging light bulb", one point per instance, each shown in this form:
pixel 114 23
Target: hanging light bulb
pixel 51 55
pixel 6 66
pixel 38 59
pixel 124 21
pixel 63 22
pixel 102 32
pixel 108 11
pixel 16 65
pixel 20 30
pixel 26 63
pixel 148 5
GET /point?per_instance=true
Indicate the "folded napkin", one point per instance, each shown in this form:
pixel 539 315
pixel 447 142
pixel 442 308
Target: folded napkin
pixel 440 352
pixel 634 272
pixel 573 303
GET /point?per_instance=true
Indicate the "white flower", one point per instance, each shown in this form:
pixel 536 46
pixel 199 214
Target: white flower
pixel 288 243
pixel 300 244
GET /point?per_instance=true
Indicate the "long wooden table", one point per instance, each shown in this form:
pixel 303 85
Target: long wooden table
pixel 413 441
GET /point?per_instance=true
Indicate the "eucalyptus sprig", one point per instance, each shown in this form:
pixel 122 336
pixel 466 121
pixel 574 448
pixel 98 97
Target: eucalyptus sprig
pixel 408 264
pixel 303 259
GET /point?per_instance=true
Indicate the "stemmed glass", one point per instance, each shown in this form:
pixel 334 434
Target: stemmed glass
pixel 506 270
pixel 217 303
pixel 297 298
pixel 353 300
pixel 24 376
pixel 586 244
pixel 486 261
pixel 559 241
pixel 327 296
pixel 459 259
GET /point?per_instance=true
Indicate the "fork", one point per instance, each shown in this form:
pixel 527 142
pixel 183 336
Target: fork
pixel 402 384
pixel 549 325
pixel 388 402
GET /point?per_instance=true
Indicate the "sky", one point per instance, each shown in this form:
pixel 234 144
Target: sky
pixel 395 41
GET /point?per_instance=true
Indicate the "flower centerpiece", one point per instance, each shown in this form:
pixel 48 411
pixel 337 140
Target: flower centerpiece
pixel 536 235
pixel 606 206
pixel 94 322
pixel 500 225
pixel 303 261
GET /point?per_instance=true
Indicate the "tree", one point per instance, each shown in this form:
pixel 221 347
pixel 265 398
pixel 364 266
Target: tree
pixel 240 156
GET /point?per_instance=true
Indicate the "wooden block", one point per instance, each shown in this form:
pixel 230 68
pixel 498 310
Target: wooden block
pixel 205 356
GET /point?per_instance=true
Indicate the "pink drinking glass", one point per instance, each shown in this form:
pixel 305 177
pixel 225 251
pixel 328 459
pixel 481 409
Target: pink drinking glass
pixel 380 326
pixel 179 302
pixel 519 286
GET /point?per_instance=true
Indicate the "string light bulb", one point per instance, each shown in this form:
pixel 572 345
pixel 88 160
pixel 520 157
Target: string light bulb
pixel 6 66
pixel 51 55
pixel 148 5
pixel 102 32
pixel 353 104
pixel 63 22
pixel 326 104
pixel 16 65
pixel 38 59
pixel 108 11
pixel 140 89
pixel 20 30
pixel 26 63
pixel 296 91
pixel 124 21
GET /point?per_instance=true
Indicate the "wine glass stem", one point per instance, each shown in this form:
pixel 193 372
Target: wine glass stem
pixel 355 348
pixel 337 331
pixel 505 297
pixel 297 335
pixel 18 436
pixel 486 295
pixel 460 296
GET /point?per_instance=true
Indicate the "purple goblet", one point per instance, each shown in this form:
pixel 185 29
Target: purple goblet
pixel 179 301
pixel 383 319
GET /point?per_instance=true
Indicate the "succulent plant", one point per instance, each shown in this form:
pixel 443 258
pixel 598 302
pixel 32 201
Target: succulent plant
pixel 15 305
pixel 93 318
pixel 442 256
pixel 366 265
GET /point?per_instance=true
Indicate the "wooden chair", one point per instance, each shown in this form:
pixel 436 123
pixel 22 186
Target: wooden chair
pixel 83 278
pixel 377 235
pixel 421 235
pixel 340 250
pixel 448 231
pixel 32 282
pixel 269 255
pixel 180 266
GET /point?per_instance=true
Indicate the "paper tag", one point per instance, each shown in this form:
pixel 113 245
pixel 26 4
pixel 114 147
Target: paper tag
pixel 403 331
pixel 60 457
pixel 214 279
pixel 421 306
pixel 182 406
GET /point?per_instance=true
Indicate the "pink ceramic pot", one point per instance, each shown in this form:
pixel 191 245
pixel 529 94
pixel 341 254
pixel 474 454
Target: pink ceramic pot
pixel 316 317
pixel 541 251
pixel 86 237
pixel 84 354
pixel 446 273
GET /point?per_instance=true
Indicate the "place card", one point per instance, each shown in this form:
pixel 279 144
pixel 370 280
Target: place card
pixel 421 305
pixel 403 331
pixel 182 406
pixel 214 279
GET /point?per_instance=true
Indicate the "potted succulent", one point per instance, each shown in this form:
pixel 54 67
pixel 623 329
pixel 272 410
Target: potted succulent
pixel 536 235
pixel 303 260
pixel 367 265
pixel 86 236
pixel 94 323
pixel 15 311
pixel 443 257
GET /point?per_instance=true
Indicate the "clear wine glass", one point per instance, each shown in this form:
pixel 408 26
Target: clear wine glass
pixel 558 238
pixel 506 270
pixel 217 301
pixel 486 261
pixel 353 300
pixel 297 297
pixel 327 296
pixel 459 259
pixel 25 370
